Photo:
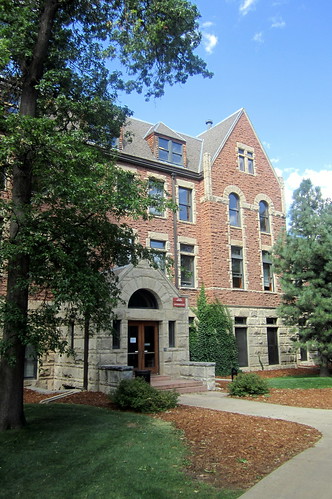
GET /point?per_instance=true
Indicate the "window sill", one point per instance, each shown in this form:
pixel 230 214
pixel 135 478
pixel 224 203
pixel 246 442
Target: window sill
pixel 190 222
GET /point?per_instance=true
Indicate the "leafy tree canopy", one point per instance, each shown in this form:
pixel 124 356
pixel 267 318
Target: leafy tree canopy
pixel 62 64
pixel 303 258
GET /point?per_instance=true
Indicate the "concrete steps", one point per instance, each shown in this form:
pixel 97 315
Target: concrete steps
pixel 179 385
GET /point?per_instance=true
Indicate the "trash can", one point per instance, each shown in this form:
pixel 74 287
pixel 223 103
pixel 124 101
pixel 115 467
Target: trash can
pixel 143 373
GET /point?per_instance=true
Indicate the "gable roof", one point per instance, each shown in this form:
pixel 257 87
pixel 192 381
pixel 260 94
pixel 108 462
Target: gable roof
pixel 215 137
pixel 161 129
pixel 210 141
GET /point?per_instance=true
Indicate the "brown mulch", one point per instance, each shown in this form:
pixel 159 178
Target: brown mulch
pixel 232 450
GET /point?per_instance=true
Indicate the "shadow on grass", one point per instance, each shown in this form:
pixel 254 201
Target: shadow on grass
pixel 79 451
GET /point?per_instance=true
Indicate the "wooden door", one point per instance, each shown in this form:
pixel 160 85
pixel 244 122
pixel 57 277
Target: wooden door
pixel 143 346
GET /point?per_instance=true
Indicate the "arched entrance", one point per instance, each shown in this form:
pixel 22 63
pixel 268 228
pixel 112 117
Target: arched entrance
pixel 143 335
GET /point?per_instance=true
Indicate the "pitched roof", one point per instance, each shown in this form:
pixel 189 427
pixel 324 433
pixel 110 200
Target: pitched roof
pixel 215 137
pixel 210 141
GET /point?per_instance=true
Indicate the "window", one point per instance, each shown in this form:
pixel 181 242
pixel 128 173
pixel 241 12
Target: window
pixel 185 204
pixel 267 271
pixel 237 267
pixel 303 354
pixel 159 256
pixel 142 298
pixel 272 341
pixel 171 334
pixel 250 162
pixel 116 334
pixel 241 340
pixel 264 216
pixel 126 250
pixel 2 178
pixel 71 333
pixel 156 194
pixel 170 151
pixel 234 210
pixel 245 159
pixel 30 362
pixel 187 265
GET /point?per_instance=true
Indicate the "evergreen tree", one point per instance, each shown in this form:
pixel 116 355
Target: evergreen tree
pixel 62 63
pixel 212 338
pixel 303 258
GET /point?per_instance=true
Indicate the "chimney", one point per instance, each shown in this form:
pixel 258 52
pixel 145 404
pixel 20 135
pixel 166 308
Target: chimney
pixel 209 124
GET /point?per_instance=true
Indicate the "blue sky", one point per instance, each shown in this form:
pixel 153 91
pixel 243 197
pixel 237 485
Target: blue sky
pixel 272 57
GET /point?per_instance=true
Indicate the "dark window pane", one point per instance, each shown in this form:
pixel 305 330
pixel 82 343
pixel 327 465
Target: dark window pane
pixel 234 210
pixel 264 216
pixel 171 334
pixel 116 334
pixel 185 205
pixel 187 271
pixel 241 341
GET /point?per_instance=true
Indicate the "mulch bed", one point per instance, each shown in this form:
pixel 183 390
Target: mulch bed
pixel 232 450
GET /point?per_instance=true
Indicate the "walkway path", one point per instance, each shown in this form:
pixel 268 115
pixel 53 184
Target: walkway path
pixel 309 474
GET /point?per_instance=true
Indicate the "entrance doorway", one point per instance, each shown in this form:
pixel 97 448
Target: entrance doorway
pixel 143 346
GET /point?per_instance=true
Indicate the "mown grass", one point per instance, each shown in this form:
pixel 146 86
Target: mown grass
pixel 75 451
pixel 302 382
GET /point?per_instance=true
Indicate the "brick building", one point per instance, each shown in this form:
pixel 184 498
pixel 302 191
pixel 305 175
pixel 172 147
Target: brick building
pixel 230 211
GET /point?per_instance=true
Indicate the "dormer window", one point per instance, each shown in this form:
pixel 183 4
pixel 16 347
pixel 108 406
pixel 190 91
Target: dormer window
pixel 170 151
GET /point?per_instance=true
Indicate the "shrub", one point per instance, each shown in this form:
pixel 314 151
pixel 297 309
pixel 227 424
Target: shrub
pixel 137 394
pixel 248 384
pixel 211 339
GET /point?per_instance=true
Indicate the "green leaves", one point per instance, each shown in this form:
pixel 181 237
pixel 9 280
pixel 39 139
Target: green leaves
pixel 211 338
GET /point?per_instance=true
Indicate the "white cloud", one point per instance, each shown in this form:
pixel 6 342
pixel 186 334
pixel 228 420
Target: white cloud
pixel 207 24
pixel 209 41
pixel 266 144
pixel 274 161
pixel 246 5
pixel 321 178
pixel 278 22
pixel 258 37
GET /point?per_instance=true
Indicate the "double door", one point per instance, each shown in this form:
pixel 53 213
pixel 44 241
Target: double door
pixel 143 345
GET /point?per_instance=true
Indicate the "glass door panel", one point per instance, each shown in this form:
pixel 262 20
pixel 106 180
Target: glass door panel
pixel 149 347
pixel 133 345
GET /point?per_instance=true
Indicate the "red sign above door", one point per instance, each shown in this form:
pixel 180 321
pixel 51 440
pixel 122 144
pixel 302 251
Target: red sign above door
pixel 179 302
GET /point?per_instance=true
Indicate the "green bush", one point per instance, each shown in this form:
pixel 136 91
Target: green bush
pixel 137 394
pixel 211 338
pixel 248 384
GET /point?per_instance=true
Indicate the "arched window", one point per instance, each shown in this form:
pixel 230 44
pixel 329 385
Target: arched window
pixel 142 298
pixel 264 216
pixel 234 210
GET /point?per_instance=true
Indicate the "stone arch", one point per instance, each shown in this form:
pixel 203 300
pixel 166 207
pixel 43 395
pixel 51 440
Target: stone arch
pixel 143 298
pixel 236 190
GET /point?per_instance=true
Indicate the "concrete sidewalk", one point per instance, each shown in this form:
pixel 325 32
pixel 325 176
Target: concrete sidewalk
pixel 309 474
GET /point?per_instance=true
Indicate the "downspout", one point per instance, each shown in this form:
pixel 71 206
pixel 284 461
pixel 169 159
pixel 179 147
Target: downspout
pixel 175 234
pixel 86 351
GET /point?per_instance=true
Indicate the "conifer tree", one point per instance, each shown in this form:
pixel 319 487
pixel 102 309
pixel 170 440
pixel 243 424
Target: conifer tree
pixel 303 258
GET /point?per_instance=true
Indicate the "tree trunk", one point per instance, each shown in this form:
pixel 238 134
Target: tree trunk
pixel 324 366
pixel 15 327
pixel 11 390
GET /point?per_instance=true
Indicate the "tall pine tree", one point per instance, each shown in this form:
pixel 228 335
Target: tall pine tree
pixel 303 258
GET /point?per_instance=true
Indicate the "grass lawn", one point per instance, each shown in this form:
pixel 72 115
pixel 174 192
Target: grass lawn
pixel 302 382
pixel 75 451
